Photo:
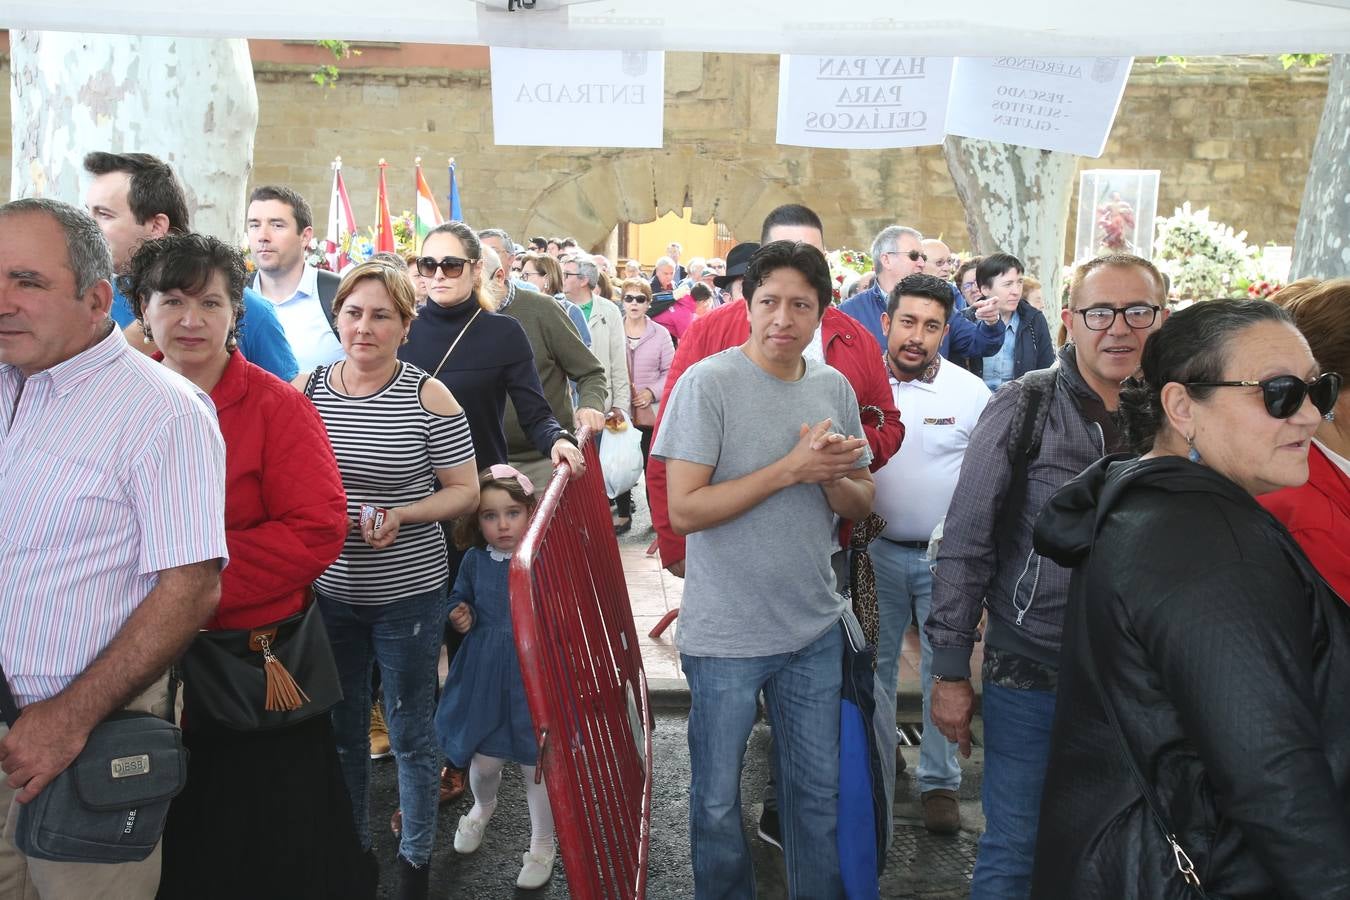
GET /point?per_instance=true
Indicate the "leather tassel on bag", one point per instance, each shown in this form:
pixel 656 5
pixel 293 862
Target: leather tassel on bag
pixel 283 694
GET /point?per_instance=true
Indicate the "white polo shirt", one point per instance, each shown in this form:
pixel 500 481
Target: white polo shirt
pixel 307 330
pixel 915 487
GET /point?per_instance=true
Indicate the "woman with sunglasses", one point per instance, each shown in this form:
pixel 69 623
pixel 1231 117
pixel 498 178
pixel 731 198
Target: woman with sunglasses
pixel 1318 514
pixel 650 351
pixel 1200 731
pixel 483 357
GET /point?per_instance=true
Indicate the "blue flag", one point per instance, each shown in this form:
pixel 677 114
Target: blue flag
pixel 456 214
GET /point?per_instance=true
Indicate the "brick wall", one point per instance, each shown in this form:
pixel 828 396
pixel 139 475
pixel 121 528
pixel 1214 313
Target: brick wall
pixel 1232 135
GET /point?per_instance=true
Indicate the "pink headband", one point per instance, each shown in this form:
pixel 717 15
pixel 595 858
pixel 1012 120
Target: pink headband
pixel 501 470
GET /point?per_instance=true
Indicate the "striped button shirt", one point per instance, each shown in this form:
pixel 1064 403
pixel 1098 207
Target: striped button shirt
pixel 387 445
pixel 112 469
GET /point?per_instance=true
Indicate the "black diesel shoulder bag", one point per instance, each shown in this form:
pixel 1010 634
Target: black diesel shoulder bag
pixel 110 804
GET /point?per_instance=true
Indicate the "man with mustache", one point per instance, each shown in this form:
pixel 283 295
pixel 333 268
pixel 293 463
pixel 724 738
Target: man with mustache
pixel 939 403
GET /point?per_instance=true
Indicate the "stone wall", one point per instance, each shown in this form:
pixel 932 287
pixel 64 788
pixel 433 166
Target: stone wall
pixel 1234 135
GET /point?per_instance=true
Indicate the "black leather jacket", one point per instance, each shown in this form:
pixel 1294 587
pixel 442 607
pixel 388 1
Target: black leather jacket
pixel 1227 661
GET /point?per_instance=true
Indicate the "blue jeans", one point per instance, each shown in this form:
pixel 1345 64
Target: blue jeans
pixel 905 590
pixel 1016 752
pixel 404 639
pixel 801 694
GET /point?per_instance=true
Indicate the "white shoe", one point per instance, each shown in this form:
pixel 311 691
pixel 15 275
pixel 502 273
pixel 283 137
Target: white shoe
pixel 469 834
pixel 537 869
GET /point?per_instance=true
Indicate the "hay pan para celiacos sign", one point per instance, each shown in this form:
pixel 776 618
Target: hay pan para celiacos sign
pixel 862 102
pixel 955 28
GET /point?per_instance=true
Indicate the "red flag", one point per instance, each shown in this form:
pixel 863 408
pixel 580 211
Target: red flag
pixel 384 235
pixel 341 222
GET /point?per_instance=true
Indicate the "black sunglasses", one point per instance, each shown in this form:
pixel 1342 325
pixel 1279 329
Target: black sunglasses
pixel 452 266
pixel 1284 394
pixel 634 298
pixel 914 255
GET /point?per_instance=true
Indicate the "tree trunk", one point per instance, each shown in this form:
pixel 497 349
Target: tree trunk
pixel 1016 201
pixel 1322 239
pixel 189 101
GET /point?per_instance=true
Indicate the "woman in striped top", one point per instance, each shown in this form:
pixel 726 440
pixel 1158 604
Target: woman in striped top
pixel 403 445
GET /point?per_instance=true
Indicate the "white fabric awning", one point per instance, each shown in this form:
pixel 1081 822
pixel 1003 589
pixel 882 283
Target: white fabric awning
pixel 956 28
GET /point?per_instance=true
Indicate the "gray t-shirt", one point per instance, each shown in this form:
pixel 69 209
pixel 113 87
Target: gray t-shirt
pixel 760 584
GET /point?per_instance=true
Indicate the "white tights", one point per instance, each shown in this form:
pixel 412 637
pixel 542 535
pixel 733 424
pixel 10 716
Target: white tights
pixel 485 776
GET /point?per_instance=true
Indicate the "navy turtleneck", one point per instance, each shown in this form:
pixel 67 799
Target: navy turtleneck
pixel 493 360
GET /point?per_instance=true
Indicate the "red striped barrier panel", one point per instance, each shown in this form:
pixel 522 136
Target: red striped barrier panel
pixel 585 684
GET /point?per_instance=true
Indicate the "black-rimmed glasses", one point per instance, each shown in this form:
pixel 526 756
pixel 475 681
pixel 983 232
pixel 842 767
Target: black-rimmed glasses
pixel 1101 318
pixel 571 274
pixel 452 266
pixel 1284 394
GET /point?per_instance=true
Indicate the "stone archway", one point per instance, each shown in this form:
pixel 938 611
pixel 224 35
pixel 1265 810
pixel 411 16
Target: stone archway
pixel 640 186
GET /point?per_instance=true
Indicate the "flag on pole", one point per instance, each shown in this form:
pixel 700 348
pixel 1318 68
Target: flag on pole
pixel 384 234
pixel 341 222
pixel 426 215
pixel 456 214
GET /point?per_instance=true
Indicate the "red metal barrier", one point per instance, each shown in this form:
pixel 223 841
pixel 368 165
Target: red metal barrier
pixel 587 690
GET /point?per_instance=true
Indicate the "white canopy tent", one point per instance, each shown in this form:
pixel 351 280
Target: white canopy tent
pixel 959 28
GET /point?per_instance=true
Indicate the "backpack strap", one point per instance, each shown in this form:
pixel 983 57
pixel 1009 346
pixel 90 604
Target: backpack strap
pixel 1028 424
pixel 328 284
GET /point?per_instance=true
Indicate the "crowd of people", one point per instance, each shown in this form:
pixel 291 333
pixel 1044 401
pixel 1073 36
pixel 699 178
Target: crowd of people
pixel 1141 519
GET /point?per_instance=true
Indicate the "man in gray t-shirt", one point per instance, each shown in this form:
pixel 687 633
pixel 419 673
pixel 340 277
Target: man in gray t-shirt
pixel 757 487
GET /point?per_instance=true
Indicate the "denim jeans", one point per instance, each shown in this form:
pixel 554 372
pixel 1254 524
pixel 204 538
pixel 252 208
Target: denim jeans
pixel 1016 752
pixel 404 639
pixel 905 590
pixel 801 693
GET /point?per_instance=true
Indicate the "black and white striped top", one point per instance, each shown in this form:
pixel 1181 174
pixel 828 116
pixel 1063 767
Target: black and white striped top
pixel 386 445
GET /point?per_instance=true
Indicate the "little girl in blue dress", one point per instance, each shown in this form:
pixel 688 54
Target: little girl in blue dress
pixel 483 719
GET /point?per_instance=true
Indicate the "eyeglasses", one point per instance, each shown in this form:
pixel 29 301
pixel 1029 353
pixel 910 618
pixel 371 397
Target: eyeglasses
pixel 527 274
pixel 967 286
pixel 1101 318
pixel 1284 394
pixel 571 274
pixel 914 255
pixel 452 266
pixel 634 298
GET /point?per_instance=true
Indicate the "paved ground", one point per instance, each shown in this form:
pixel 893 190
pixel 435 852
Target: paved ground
pixel 920 865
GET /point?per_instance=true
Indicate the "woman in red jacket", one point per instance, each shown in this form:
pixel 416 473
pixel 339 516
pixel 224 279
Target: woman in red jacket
pixel 1318 513
pixel 265 813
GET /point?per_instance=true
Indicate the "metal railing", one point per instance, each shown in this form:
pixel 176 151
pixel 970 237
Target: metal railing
pixel 586 686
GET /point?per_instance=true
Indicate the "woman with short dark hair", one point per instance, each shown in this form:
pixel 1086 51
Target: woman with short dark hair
pixel 1200 731
pixel 264 811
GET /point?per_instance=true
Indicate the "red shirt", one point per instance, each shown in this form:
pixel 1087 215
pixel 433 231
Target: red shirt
pixel 285 509
pixel 1318 516
pixel 848 348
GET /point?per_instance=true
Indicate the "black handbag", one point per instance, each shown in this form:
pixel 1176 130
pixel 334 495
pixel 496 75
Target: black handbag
pixel 259 679
pixel 111 803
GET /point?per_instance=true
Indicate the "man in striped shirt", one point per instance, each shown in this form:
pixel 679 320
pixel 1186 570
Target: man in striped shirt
pixel 112 535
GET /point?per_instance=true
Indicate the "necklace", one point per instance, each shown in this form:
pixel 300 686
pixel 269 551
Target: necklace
pixel 341 369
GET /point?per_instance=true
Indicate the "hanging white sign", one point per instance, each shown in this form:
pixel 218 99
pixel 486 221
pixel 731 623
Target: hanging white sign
pixel 577 98
pixel 1051 103
pixel 862 102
